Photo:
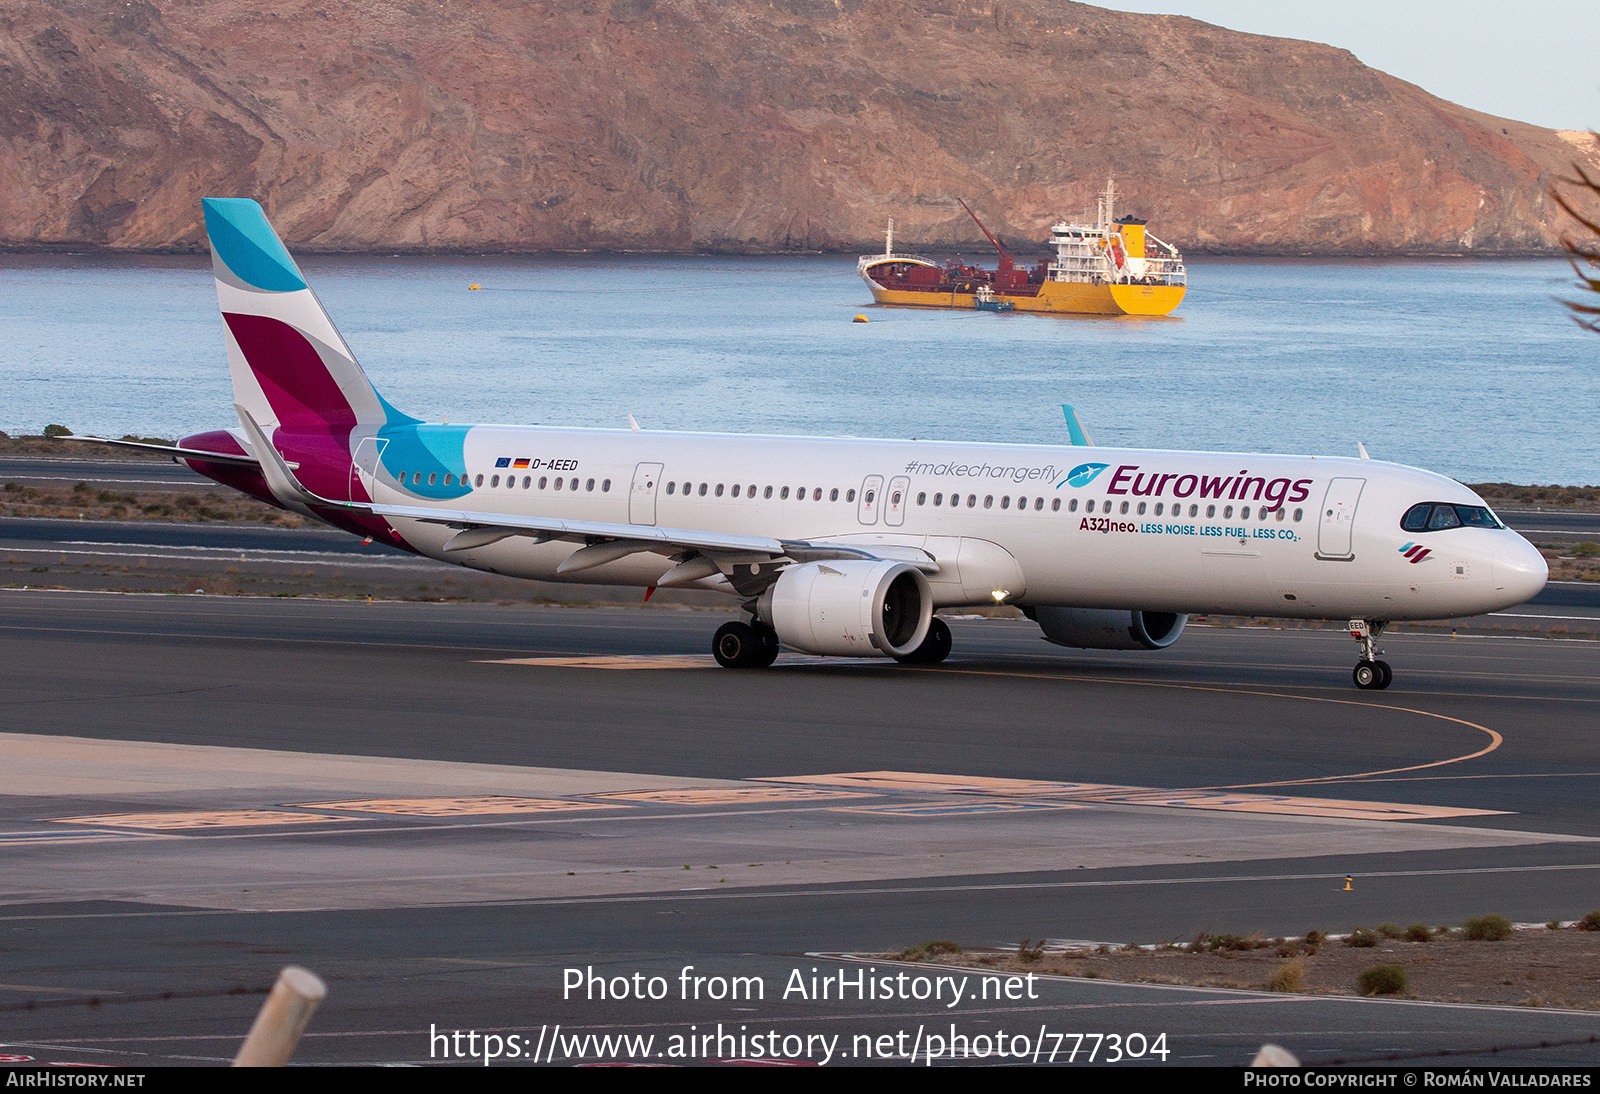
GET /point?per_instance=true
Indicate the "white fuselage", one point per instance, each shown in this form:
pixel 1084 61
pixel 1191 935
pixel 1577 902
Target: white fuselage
pixel 1150 530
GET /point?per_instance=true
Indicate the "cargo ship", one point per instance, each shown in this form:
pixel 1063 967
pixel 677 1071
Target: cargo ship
pixel 1111 267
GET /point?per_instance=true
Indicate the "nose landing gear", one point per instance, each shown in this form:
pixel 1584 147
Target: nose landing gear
pixel 1370 674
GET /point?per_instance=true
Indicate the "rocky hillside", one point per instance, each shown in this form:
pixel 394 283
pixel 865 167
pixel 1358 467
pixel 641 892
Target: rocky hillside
pixel 745 125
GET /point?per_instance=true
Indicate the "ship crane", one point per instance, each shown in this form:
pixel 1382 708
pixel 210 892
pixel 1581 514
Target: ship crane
pixel 1006 261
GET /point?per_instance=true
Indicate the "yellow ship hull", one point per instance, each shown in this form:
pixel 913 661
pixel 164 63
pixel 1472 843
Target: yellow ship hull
pixel 1058 297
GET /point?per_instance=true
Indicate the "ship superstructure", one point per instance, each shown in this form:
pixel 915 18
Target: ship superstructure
pixel 1113 266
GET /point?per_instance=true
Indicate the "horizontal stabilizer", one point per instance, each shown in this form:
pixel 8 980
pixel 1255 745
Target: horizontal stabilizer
pixel 175 451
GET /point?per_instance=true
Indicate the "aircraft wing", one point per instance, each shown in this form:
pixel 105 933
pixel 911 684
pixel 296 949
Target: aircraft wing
pixel 700 554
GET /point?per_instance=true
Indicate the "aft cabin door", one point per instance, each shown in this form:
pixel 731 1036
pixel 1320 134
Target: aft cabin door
pixel 1337 521
pixel 364 469
pixel 642 498
pixel 871 499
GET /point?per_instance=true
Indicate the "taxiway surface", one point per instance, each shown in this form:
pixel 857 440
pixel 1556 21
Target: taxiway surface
pixel 442 807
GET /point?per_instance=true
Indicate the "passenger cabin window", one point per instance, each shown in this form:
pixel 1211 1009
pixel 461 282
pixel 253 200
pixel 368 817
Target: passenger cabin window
pixel 479 481
pixel 543 482
pixel 494 481
pixel 735 489
pixel 703 488
pixel 1436 516
pixel 605 487
pixel 719 490
pixel 767 493
pixel 922 499
pixel 587 486
pixel 558 484
pixel 671 487
pixel 1055 506
pixel 1038 504
pixel 850 495
pixel 833 495
pixel 783 495
pixel 938 499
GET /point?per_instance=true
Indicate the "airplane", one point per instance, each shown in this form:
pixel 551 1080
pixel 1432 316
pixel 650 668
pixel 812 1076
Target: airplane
pixel 842 547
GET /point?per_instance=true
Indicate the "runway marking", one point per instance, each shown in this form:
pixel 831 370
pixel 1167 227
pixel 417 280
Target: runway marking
pixel 488 805
pixel 729 795
pixel 657 661
pixel 1495 739
pixel 669 661
pixel 1103 794
pixel 220 818
pixel 50 839
pixel 1329 808
pixel 940 784
pixel 965 808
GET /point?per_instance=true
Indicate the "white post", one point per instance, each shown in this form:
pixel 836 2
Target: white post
pixel 283 1019
pixel 888 239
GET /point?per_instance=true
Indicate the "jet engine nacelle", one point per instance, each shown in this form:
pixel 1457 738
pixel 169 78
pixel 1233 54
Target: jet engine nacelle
pixel 1102 629
pixel 851 608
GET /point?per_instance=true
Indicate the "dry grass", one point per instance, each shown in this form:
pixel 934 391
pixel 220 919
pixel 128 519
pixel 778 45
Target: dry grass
pixel 1534 967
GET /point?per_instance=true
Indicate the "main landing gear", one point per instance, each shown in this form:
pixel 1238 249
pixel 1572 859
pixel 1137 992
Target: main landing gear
pixel 934 648
pixel 1370 674
pixel 754 645
pixel 745 645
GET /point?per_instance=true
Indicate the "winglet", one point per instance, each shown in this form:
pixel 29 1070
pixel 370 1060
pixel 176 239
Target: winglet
pixel 1075 430
pixel 1361 448
pixel 633 425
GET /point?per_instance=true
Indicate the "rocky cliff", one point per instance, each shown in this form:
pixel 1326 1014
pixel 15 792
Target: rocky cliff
pixel 746 125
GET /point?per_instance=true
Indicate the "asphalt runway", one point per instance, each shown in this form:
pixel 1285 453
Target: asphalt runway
pixel 442 807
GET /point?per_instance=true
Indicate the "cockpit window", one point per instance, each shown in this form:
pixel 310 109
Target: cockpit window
pixel 1432 516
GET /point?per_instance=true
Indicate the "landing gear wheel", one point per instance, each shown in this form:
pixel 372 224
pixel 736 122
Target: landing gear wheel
pixel 769 645
pixel 935 647
pixel 1372 675
pixel 738 646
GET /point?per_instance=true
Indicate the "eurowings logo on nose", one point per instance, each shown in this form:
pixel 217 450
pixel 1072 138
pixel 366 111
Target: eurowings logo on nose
pixel 1082 475
pixel 1415 552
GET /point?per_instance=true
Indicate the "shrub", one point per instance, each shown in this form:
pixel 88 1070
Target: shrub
pixel 1487 928
pixel 1590 922
pixel 1389 930
pixel 1587 549
pixel 1362 937
pixel 53 430
pixel 1316 938
pixel 931 949
pixel 1419 932
pixel 1553 925
pixel 1028 953
pixel 1289 976
pixel 1382 980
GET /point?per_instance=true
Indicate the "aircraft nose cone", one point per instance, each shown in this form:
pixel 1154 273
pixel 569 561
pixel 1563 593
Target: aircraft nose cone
pixel 1519 572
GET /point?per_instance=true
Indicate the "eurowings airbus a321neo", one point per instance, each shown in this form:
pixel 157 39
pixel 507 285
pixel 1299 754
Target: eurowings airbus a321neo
pixel 841 547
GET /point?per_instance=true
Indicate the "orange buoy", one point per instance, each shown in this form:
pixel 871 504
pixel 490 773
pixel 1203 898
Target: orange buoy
pixel 474 287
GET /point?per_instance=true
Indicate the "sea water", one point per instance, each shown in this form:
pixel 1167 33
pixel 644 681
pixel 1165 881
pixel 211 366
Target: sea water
pixel 1469 367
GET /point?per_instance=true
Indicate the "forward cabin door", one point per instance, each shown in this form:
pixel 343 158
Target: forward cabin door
pixel 642 498
pixel 1337 520
pixel 364 468
pixel 871 499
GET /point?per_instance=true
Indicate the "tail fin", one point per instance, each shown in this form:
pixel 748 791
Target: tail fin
pixel 291 368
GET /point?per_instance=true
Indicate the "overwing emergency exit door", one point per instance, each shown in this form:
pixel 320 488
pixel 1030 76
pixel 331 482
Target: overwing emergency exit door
pixel 642 497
